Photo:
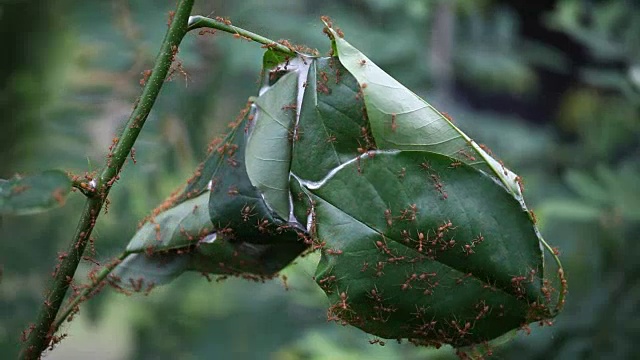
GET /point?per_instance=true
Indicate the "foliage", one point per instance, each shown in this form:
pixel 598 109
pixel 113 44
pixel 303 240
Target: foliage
pixel 33 194
pixel 344 138
pixel 94 88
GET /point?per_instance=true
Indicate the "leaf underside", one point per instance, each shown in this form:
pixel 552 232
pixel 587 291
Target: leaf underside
pixel 219 226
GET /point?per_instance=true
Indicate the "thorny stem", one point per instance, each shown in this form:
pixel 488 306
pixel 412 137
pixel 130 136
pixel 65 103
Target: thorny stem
pixel 43 330
pixel 196 22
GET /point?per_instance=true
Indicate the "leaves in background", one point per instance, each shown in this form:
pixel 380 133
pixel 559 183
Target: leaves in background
pixel 35 193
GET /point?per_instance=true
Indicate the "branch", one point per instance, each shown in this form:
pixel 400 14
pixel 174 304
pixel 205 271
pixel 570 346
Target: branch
pixel 197 22
pixel 42 333
pixel 87 188
pixel 87 292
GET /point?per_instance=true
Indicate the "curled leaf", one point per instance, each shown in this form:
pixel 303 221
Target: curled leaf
pixel 402 120
pixel 219 225
pixel 269 146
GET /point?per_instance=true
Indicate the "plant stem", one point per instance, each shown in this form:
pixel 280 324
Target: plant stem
pixel 86 292
pixel 85 187
pixel 42 333
pixel 196 22
pixel 563 283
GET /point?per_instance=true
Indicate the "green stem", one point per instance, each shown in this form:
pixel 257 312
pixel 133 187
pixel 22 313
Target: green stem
pixel 563 284
pixel 85 187
pixel 196 22
pixel 41 335
pixel 86 293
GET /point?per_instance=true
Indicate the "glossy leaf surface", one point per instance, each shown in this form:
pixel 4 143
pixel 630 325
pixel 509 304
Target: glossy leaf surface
pixel 390 232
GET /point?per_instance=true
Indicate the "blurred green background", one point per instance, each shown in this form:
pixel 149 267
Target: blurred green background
pixel 553 87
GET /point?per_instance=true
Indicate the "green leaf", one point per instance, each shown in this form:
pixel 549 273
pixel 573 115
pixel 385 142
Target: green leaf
pixel 273 58
pixel 250 237
pixel 478 248
pixel 229 257
pixel 179 227
pixel 331 121
pixel 161 249
pixel 140 272
pixel 401 120
pixel 35 193
pixel 236 207
pixel 182 239
pixel 208 169
pixel 219 225
pixel 268 154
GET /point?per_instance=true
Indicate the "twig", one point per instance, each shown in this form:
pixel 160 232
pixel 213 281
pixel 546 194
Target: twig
pixel 86 187
pixel 87 291
pixel 43 330
pixel 196 22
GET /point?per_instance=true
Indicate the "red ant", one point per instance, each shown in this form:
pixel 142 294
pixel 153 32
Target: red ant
pixel 246 213
pixel 388 217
